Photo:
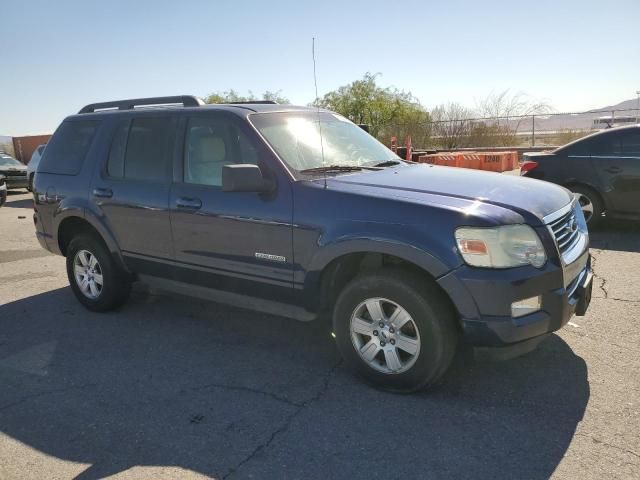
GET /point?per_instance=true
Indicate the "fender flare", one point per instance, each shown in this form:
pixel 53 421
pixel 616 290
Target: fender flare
pixel 441 272
pixel 341 247
pixel 65 212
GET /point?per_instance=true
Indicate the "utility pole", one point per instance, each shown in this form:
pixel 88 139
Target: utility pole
pixel 638 106
pixel 533 130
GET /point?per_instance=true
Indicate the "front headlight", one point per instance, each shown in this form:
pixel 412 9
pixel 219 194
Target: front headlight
pixel 500 247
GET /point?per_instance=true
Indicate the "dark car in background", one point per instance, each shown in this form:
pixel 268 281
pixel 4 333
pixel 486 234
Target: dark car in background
pixel 14 171
pixel 603 169
pixel 301 213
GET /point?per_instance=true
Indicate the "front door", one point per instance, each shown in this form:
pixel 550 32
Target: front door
pixel 234 241
pixel 618 164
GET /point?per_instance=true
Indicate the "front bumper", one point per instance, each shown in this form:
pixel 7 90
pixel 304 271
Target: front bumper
pixel 18 181
pixel 484 297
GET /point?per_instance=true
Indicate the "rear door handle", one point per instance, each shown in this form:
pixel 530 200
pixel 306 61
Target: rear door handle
pixel 187 202
pixel 50 196
pixel 102 192
pixel 613 169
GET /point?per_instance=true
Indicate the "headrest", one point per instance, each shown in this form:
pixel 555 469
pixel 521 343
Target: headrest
pixel 210 148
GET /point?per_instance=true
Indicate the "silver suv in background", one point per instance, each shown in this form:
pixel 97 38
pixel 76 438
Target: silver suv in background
pixel 32 166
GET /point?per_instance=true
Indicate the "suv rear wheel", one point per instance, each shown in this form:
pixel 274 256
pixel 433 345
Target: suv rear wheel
pixel 96 280
pixel 395 329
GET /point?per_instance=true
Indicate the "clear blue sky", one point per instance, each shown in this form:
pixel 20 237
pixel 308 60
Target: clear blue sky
pixel 58 56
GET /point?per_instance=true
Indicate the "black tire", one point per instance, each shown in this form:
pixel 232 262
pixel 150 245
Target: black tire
pixel 430 311
pixel 589 195
pixel 116 285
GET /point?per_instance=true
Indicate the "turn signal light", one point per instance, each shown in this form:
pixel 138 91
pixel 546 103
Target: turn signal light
pixel 473 247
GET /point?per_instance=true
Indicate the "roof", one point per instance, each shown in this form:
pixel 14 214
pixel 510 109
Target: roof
pixel 606 131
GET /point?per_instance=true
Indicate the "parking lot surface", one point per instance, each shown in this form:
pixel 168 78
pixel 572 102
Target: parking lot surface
pixel 170 386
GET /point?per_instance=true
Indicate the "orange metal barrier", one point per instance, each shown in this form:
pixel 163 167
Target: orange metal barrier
pixel 447 159
pixel 489 161
pixel 469 160
pixel 429 158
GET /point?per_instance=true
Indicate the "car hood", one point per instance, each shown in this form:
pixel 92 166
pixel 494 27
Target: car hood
pixel 508 191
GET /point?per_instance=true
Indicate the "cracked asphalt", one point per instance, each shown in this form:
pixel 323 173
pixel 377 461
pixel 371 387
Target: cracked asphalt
pixel 170 387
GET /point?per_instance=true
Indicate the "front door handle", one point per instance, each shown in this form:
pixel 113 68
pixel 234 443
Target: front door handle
pixel 614 169
pixel 189 202
pixel 102 192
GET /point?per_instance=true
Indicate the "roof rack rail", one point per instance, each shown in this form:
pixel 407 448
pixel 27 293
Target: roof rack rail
pixel 254 102
pixel 185 100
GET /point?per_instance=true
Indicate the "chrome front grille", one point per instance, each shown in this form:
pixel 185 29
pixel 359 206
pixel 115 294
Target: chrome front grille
pixel 565 231
pixel 569 230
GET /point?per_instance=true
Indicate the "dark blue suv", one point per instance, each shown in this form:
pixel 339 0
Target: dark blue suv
pixel 299 212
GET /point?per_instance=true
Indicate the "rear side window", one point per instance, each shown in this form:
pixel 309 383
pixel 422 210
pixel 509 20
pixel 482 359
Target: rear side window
pixel 67 149
pixel 605 144
pixel 631 144
pixel 142 149
pixel 115 164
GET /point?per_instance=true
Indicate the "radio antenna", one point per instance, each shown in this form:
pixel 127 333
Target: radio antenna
pixel 315 83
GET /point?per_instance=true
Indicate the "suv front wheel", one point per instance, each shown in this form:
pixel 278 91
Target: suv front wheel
pixel 395 329
pixel 96 280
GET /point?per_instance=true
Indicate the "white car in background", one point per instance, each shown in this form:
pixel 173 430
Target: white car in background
pixel 32 166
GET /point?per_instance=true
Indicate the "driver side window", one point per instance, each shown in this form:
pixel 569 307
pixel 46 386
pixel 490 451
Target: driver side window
pixel 210 144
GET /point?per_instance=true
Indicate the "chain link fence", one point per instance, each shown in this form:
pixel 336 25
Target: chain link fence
pixel 518 131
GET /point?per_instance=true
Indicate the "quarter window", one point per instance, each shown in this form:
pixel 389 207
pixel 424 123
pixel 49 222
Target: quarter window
pixel 66 151
pixel 210 145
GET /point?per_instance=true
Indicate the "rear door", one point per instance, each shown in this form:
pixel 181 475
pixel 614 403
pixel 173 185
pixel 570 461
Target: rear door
pixel 234 241
pixel 132 189
pixel 617 159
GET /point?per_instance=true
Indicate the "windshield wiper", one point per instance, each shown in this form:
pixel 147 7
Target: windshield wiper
pixel 387 163
pixel 336 168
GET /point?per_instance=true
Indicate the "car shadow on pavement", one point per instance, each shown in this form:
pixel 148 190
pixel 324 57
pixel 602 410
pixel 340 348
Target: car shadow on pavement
pixel 169 381
pixel 619 235
pixel 18 203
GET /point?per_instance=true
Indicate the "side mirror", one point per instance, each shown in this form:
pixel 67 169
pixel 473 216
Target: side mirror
pixel 244 177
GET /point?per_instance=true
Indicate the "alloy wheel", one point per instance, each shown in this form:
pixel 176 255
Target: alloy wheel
pixel 88 274
pixel 384 335
pixel 586 205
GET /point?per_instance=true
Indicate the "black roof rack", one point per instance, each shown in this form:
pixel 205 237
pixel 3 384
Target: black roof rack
pixel 185 100
pixel 249 102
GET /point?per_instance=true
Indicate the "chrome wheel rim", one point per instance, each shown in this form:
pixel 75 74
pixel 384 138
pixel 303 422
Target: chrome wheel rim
pixel 384 335
pixel 88 274
pixel 586 205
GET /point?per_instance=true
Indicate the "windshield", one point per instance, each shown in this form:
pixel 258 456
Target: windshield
pixel 9 162
pixel 295 136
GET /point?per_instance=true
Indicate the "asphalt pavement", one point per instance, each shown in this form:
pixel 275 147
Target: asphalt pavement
pixel 171 387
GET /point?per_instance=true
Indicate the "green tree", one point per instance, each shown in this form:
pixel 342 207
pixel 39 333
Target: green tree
pixel 387 110
pixel 230 96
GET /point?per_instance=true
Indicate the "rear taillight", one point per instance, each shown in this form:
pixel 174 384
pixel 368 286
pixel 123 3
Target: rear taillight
pixel 527 166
